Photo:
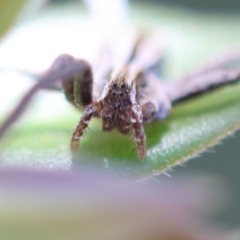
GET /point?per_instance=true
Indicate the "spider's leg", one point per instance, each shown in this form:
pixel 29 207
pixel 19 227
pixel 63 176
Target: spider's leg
pixel 82 125
pixel 138 131
pixel 152 97
pixel 213 74
pixel 150 55
pixel 188 88
pixel 223 60
pixel 124 51
pixel 143 70
pixel 102 67
pixel 78 88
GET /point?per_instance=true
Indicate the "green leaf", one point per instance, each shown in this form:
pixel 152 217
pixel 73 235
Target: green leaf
pixel 9 10
pixel 192 127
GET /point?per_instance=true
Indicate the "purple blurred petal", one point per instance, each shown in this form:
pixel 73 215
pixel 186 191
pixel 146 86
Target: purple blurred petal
pixel 89 205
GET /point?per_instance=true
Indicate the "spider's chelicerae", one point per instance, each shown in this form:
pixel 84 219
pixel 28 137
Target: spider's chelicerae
pixel 126 91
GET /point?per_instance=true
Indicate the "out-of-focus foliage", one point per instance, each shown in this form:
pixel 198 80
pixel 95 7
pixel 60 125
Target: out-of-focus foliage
pixel 9 10
pixel 89 205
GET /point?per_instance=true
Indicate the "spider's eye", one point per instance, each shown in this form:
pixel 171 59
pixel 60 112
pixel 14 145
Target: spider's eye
pixel 114 85
pixel 121 94
pixel 123 85
pixel 114 94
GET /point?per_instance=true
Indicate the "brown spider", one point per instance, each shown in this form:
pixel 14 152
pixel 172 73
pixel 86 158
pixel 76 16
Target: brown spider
pixel 130 95
pixel 126 99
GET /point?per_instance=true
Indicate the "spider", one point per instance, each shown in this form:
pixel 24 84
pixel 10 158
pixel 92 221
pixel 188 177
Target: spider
pixel 132 93
pixel 124 98
pixel 127 90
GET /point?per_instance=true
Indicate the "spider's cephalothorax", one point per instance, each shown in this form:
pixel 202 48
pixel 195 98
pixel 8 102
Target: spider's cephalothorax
pixel 116 104
pixel 119 109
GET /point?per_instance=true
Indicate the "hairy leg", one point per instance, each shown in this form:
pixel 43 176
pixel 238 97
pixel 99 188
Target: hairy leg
pixel 152 97
pixel 188 88
pixel 78 88
pixel 82 125
pixel 144 69
pixel 138 131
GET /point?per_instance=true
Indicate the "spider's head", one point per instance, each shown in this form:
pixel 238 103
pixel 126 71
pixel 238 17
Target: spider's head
pixel 120 88
pixel 117 100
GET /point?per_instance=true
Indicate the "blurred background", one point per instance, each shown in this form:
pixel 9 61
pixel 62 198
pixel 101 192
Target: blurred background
pixel 223 159
pixel 222 5
pixel 195 30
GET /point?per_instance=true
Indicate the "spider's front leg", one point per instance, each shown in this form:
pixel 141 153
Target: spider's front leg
pixel 78 87
pixel 78 91
pixel 138 131
pixel 82 125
